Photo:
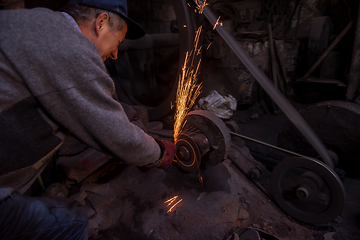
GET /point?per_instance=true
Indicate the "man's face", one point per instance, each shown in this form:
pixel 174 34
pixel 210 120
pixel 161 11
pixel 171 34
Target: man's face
pixel 109 41
pixel 106 40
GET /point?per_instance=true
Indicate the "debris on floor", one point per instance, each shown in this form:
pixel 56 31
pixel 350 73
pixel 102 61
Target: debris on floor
pixel 134 205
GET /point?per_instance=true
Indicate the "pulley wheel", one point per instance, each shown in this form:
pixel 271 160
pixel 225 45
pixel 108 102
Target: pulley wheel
pixel 187 155
pixel 337 123
pixel 215 131
pixel 307 190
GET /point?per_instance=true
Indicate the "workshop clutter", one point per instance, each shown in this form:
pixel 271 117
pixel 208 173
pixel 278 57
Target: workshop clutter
pixel 81 165
pixel 221 106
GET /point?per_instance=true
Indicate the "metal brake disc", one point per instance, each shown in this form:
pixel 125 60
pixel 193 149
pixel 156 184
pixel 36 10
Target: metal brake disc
pixel 307 190
pixel 205 138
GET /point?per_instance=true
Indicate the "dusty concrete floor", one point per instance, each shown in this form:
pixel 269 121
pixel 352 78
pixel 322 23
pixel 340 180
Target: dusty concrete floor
pixel 133 206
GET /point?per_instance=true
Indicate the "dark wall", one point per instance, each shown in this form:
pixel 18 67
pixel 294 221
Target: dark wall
pixel 52 4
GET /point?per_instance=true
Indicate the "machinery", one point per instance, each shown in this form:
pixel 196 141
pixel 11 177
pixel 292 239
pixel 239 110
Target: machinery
pixel 304 187
pixel 337 124
pixel 307 189
pixel 323 195
pixel 205 139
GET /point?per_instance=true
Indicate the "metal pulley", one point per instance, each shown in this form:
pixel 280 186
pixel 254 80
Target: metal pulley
pixel 307 189
pixel 204 139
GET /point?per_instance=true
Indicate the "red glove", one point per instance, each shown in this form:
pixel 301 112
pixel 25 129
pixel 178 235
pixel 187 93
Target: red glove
pixel 167 154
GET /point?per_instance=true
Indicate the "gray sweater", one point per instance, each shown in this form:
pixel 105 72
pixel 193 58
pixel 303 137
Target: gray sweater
pixel 53 81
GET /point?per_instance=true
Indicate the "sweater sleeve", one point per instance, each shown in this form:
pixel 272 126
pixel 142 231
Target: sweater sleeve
pixel 63 70
pixel 90 113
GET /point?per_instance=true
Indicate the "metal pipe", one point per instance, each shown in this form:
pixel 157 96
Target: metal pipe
pixel 269 87
pixel 268 145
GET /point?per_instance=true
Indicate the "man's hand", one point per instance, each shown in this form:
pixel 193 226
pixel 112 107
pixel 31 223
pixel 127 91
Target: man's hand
pixel 167 154
pixel 169 149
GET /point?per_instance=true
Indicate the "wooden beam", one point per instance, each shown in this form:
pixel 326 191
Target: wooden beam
pixel 327 51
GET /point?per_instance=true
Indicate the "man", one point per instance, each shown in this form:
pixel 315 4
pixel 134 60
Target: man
pixel 53 82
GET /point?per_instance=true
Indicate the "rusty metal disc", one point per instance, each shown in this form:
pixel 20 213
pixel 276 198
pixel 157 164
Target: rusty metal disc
pixel 307 189
pixel 216 132
pixel 187 155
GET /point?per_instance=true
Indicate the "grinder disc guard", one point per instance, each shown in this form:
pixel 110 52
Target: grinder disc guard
pixel 205 138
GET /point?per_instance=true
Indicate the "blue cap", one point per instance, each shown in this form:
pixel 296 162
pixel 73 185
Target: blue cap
pixel 119 7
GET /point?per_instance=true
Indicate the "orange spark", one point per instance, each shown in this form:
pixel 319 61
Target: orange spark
pixel 200 5
pixel 217 23
pixel 171 200
pixel 208 46
pixel 199 51
pixel 174 206
pixel 188 90
pixel 201 180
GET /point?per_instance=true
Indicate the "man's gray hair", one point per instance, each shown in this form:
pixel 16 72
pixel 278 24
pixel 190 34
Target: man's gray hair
pixel 82 14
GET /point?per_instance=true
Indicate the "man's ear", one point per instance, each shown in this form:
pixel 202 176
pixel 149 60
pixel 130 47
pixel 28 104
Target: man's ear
pixel 101 22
